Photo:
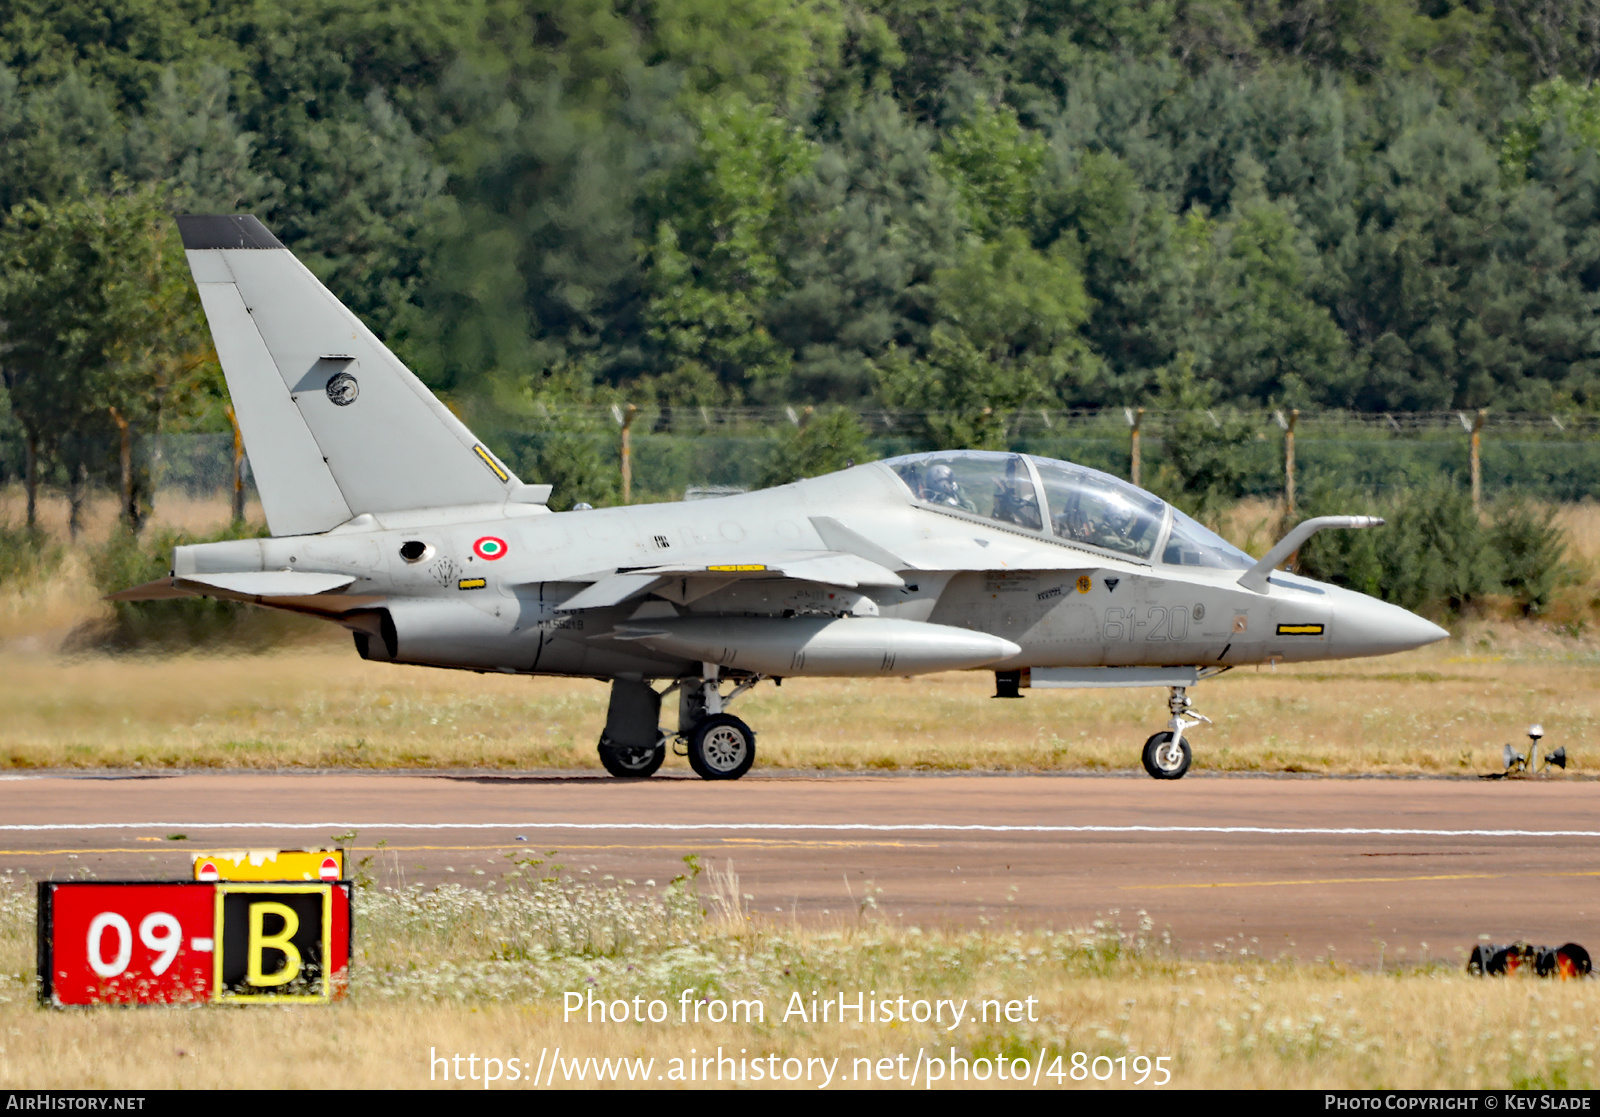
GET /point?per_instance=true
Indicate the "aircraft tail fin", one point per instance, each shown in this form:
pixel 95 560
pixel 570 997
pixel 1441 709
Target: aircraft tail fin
pixel 334 423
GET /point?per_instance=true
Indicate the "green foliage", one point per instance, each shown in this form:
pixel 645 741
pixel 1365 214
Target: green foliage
pixel 1531 548
pixel 1269 338
pixel 994 165
pixel 1007 336
pixel 768 50
pixel 1556 103
pixel 1435 554
pixel 580 465
pixel 965 207
pixel 709 283
pixel 1205 466
pixel 179 624
pixel 874 221
pixel 25 555
pixel 102 325
pixel 829 440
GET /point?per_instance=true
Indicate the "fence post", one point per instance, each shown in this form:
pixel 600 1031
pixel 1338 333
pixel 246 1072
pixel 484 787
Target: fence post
pixel 1288 461
pixel 626 419
pixel 238 468
pixel 1477 465
pixel 1475 430
pixel 1135 417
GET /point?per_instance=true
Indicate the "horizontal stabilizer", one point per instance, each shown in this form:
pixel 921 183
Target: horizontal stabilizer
pixel 256 583
pixel 161 589
pixel 271 583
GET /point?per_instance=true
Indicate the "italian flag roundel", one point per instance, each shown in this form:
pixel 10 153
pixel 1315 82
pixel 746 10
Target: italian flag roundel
pixel 489 548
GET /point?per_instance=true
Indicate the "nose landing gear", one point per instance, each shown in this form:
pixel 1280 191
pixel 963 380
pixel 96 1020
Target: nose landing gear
pixel 1166 754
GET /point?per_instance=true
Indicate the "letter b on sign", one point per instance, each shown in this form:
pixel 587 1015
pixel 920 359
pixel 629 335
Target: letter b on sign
pixel 274 942
pixel 282 942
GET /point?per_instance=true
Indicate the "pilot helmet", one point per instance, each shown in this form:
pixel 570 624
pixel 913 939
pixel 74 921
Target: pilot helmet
pixel 942 480
pixel 1119 513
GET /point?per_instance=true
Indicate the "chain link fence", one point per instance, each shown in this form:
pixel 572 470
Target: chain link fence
pixel 690 451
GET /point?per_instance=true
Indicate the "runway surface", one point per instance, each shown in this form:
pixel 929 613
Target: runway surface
pixel 1363 869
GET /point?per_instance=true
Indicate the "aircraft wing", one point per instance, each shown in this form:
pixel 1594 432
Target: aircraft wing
pixel 830 568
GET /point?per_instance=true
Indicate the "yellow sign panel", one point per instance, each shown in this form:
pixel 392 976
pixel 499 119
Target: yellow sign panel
pixel 270 865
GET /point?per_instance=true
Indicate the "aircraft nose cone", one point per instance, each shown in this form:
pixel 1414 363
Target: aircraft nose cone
pixel 1366 626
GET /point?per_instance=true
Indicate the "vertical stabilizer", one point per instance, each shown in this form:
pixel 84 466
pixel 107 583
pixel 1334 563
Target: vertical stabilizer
pixel 335 425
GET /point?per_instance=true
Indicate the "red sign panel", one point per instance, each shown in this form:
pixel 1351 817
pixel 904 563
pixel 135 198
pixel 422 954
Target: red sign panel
pixel 184 941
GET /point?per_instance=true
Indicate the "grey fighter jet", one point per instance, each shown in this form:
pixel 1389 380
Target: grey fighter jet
pixel 389 517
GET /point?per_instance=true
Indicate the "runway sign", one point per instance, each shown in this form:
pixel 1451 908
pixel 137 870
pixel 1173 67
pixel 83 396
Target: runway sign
pixel 138 942
pixel 271 864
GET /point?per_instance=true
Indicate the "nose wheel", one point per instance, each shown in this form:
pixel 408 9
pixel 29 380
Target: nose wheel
pixel 1166 754
pixel 1166 757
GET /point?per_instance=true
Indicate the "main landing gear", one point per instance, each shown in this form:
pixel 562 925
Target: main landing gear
pixel 1166 754
pixel 719 746
pixel 631 744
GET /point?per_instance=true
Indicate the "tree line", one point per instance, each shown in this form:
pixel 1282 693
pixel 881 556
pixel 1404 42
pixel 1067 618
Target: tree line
pixel 959 207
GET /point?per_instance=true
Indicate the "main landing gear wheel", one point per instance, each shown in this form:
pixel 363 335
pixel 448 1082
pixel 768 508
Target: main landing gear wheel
pixel 1165 759
pixel 633 761
pixel 721 748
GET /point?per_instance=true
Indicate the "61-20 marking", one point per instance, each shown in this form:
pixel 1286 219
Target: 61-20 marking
pixel 1163 623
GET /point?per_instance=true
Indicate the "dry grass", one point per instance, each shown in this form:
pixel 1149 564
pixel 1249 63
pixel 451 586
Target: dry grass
pixel 39 615
pixel 172 509
pixel 1444 710
pixel 1441 710
pixel 435 975
pixel 482 972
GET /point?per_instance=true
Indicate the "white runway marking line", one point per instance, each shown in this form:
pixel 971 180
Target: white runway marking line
pixel 811 827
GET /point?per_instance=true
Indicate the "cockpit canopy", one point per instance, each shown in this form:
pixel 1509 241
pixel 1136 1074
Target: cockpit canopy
pixel 1074 504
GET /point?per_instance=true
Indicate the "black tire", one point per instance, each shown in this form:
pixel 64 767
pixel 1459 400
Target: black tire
pixel 1158 763
pixel 632 762
pixel 721 748
pixel 1564 962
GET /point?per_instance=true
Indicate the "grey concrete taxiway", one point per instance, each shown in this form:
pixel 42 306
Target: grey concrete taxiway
pixel 1362 868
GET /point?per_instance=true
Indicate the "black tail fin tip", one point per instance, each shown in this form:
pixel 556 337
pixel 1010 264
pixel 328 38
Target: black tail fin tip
pixel 225 230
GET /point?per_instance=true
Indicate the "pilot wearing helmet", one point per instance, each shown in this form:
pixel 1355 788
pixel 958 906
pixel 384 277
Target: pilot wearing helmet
pixel 941 488
pixel 1102 520
pixel 1014 500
